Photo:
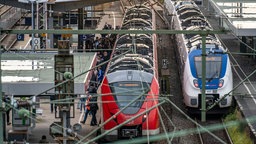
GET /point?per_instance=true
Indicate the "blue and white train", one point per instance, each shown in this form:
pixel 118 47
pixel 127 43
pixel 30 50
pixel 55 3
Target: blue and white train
pixel 185 15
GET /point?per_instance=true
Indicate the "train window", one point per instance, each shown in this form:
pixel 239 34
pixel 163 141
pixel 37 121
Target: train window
pixel 125 92
pixel 213 66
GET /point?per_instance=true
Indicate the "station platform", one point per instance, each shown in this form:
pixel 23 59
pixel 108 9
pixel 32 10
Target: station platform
pixel 32 73
pixel 46 118
pixel 28 74
pixel 112 16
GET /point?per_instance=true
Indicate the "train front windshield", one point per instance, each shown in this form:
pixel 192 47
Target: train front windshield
pixel 213 66
pixel 125 92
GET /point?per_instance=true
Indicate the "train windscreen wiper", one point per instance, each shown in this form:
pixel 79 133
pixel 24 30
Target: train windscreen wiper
pixel 211 78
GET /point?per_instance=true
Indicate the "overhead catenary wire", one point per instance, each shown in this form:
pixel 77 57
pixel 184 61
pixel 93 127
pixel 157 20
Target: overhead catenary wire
pixel 165 131
pixel 127 121
pixel 185 132
pixel 181 132
pixel 112 117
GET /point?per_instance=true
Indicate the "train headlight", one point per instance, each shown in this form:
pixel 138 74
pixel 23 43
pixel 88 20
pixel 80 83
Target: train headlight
pixel 224 102
pixel 195 81
pixel 193 101
pixel 115 118
pixel 144 117
pixel 221 82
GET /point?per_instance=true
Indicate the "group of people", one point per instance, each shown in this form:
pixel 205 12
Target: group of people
pixel 88 102
pixel 106 41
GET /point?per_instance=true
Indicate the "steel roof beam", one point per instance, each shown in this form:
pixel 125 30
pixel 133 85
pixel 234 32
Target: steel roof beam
pixel 58 6
pixel 235 1
pixel 88 31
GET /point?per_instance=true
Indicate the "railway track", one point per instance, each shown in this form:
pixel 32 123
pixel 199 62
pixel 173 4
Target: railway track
pixel 4 10
pixel 9 40
pixel 156 6
pixel 218 136
pixel 124 4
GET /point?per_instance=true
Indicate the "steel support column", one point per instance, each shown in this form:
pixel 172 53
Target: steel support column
pixel 1 101
pixel 80 26
pixel 49 41
pixel 203 105
pixel 33 24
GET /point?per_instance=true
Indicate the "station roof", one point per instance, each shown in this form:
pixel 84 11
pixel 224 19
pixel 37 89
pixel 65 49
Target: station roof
pixel 57 5
pixel 33 73
pixel 240 15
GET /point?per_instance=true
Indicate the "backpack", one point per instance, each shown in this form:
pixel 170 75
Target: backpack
pixel 94 104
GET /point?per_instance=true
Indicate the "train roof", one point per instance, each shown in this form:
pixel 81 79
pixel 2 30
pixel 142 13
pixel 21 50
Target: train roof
pixel 189 13
pixel 139 38
pixel 194 21
pixel 186 8
pixel 137 15
pixel 142 9
pixel 130 75
pixel 138 47
pixel 136 22
pixel 138 6
pixel 191 18
pixel 131 62
pixel 141 42
pixel 179 4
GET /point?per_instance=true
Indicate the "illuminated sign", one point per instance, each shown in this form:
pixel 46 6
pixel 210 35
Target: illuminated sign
pixel 129 85
pixel 208 58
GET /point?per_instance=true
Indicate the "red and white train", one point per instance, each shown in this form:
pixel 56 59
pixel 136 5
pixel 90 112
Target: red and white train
pixel 130 87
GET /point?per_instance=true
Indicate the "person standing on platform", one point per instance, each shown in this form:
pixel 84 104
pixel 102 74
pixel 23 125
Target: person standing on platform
pixel 100 75
pixel 82 102
pixel 94 107
pixel 53 105
pixel 94 78
pixel 43 139
pixel 8 108
pixel 87 110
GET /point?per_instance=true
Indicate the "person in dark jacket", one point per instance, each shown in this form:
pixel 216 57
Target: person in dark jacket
pixel 8 108
pixel 100 75
pixel 43 139
pixel 94 108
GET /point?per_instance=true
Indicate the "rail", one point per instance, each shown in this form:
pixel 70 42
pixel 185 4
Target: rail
pixel 5 11
pixel 226 131
pixel 219 136
pixel 13 43
pixel 5 36
pixel 152 6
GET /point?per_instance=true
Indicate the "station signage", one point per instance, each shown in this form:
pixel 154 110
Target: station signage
pixel 20 37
